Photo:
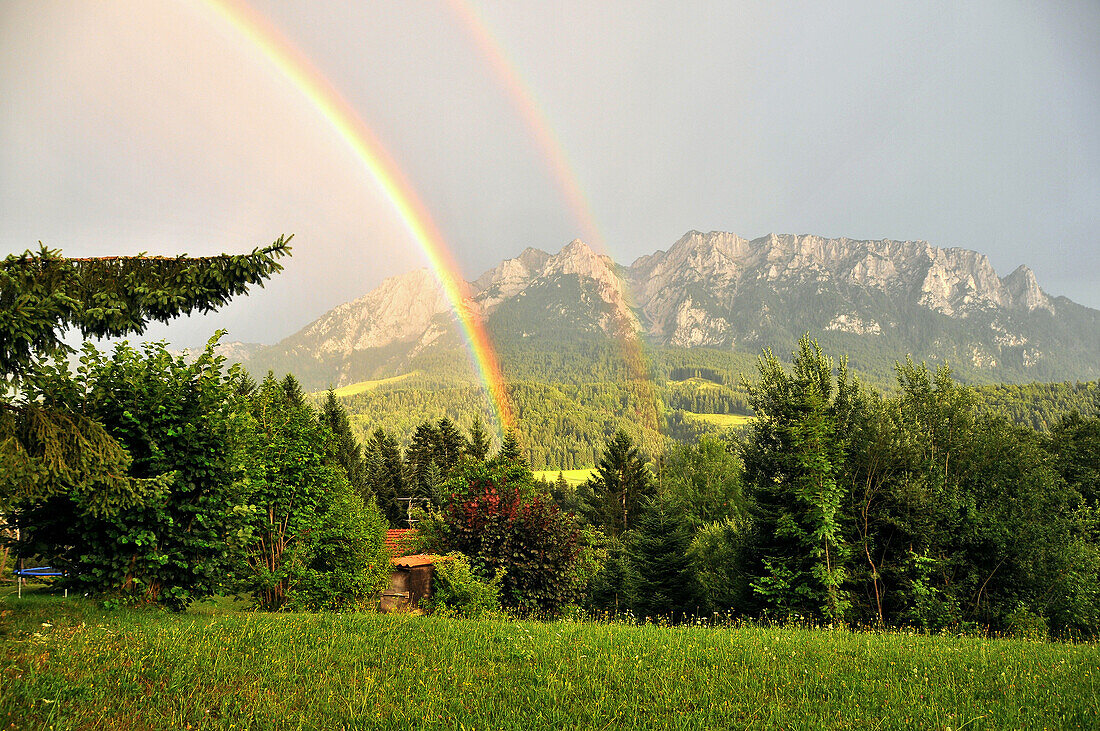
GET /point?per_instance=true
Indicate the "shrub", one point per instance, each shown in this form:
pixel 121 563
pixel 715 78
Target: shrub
pixel 457 591
pixel 716 554
pixel 494 516
pixel 177 419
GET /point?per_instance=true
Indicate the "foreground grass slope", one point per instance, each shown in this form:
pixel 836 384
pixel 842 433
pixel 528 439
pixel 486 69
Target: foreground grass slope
pixel 67 664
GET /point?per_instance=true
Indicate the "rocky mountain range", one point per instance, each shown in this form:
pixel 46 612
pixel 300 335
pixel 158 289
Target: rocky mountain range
pixel 874 300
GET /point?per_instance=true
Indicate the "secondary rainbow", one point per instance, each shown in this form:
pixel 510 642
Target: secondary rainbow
pixel 533 116
pixel 307 80
pixel 553 153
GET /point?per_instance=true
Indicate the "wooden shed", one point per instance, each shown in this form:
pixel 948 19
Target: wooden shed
pixel 410 581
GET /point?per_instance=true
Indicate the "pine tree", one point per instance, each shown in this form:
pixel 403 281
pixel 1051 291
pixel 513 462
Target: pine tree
pixel 510 450
pixel 386 474
pixel 47 451
pixel 419 460
pixel 478 444
pixel 614 495
pixel 346 450
pixel 660 579
pixel 450 445
pixel 293 391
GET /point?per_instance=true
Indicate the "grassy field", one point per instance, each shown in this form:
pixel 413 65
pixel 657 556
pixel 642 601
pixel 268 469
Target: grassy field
pixel 573 477
pixel 726 421
pixel 67 665
pixel 363 386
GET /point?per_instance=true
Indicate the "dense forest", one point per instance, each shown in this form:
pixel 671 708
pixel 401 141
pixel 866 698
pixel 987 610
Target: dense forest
pixel 564 422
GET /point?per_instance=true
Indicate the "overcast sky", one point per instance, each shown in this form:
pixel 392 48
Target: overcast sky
pixel 151 125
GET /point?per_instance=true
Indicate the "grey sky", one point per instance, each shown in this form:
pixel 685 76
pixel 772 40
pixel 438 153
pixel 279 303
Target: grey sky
pixel 129 126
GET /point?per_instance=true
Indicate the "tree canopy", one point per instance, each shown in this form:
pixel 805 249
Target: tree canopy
pixel 43 294
pixel 49 449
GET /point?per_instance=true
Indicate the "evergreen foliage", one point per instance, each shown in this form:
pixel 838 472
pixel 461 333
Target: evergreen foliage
pixel 422 470
pixel 386 474
pixel 345 448
pixel 478 444
pixel 660 581
pixel 613 497
pixel 43 294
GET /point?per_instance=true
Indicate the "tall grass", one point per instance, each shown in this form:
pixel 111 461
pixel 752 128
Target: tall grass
pixel 68 664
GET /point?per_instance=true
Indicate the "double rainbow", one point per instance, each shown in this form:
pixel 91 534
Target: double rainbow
pixel 308 81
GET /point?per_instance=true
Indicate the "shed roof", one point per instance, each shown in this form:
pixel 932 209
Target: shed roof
pixel 398 538
pixel 412 562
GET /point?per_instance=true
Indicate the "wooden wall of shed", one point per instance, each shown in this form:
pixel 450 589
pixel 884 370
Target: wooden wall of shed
pixel 415 583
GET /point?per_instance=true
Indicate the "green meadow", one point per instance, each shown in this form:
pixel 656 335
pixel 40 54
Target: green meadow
pixel 723 421
pixel 354 389
pixel 573 477
pixel 67 664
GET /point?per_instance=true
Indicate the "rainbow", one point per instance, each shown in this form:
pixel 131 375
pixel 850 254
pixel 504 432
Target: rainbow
pixel 533 116
pixel 298 70
pixel 553 153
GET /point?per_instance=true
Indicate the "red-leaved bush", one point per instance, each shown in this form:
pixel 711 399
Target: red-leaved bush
pixel 496 518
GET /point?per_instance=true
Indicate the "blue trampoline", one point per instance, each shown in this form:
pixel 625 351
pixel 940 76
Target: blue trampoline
pixel 39 572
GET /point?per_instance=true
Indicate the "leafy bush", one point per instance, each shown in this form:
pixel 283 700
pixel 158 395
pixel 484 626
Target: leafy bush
pixel 457 591
pixel 1025 624
pixel 350 563
pixel 717 554
pixel 176 419
pixel 311 541
pixel 492 514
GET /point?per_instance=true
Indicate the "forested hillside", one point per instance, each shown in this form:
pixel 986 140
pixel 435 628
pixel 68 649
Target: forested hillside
pixel 570 399
pixel 1039 405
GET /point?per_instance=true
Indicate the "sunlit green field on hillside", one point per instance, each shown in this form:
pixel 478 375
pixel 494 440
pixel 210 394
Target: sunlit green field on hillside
pixel 66 664
pixel 364 386
pixel 725 421
pixel 573 477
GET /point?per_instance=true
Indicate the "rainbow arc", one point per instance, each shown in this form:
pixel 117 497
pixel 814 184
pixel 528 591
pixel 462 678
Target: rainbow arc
pixel 293 66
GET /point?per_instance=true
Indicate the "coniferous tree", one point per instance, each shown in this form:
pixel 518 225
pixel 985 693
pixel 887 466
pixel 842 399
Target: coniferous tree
pixel 614 495
pixel 346 450
pixel 660 579
pixel 478 444
pixel 450 445
pixel 386 474
pixel 419 460
pixel 510 451
pixel 293 390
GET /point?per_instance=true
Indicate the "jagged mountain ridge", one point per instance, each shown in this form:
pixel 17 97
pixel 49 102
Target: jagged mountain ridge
pixel 882 299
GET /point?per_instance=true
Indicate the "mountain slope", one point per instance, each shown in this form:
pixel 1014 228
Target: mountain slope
pixel 876 300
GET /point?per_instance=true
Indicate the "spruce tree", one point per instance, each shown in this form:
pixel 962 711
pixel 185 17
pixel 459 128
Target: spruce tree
pixel 510 450
pixel 614 495
pixel 478 444
pixel 660 579
pixel 385 474
pixel 345 450
pixel 419 460
pixel 293 391
pixel 450 445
